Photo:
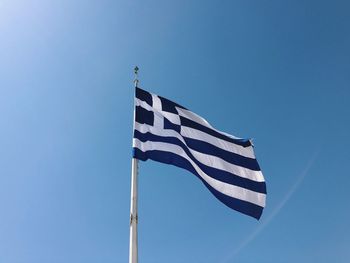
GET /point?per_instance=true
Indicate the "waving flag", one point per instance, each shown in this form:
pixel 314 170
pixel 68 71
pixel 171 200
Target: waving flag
pixel 166 132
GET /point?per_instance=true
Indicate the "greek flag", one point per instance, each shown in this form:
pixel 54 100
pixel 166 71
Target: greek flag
pixel 166 132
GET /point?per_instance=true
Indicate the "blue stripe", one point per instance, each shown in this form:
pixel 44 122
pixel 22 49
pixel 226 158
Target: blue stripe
pixel 189 123
pixel 170 106
pixel 174 159
pixel 171 126
pixel 144 96
pixel 217 174
pixel 144 116
pixel 230 157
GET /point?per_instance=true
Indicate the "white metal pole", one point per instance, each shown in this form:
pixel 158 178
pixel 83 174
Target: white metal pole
pixel 133 253
pixel 133 248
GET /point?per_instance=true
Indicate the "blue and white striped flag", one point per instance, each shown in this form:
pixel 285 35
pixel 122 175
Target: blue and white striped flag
pixel 166 132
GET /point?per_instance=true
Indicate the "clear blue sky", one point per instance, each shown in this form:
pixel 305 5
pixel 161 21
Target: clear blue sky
pixel 277 71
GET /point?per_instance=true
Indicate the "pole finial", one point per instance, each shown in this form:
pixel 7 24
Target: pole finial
pixel 136 80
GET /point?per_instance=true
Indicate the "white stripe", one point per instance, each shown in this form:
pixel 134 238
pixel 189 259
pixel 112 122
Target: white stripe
pixel 156 102
pixel 206 159
pixel 157 107
pixel 193 116
pixel 142 104
pixel 196 118
pixel 225 145
pixel 224 188
pixel 174 118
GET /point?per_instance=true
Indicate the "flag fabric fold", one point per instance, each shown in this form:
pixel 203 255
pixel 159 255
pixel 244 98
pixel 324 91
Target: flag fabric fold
pixel 167 132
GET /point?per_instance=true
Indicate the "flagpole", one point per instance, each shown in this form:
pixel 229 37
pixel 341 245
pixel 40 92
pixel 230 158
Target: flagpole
pixel 133 249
